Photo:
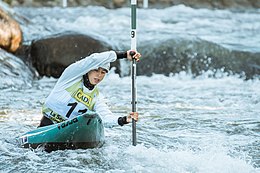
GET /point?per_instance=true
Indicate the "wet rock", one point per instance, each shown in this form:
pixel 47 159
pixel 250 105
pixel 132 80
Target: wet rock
pixel 50 56
pixel 14 73
pixel 195 57
pixel 10 32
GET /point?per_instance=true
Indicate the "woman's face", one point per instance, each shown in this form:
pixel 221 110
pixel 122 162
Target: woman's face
pixel 96 76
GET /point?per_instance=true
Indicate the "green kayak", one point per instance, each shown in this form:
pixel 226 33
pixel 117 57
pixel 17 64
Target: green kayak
pixel 84 131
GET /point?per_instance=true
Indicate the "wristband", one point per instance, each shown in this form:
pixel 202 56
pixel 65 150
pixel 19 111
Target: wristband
pixel 122 120
pixel 121 54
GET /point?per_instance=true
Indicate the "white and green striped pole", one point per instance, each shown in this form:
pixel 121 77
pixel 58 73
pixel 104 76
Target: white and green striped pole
pixel 133 69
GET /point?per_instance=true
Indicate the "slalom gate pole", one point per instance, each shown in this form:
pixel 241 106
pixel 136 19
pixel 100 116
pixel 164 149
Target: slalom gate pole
pixel 133 69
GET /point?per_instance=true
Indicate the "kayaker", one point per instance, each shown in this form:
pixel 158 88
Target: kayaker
pixel 76 90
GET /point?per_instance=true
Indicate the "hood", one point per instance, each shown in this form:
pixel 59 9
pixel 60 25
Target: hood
pixel 106 67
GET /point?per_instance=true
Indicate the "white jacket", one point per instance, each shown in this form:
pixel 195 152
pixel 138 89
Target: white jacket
pixel 63 104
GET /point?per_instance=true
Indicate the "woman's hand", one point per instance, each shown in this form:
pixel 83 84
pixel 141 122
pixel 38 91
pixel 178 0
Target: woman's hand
pixel 136 55
pixel 131 115
pixel 128 119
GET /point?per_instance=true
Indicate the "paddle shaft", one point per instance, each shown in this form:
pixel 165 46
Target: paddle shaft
pixel 133 69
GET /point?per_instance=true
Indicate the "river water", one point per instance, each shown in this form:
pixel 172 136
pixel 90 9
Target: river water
pixel 238 30
pixel 187 125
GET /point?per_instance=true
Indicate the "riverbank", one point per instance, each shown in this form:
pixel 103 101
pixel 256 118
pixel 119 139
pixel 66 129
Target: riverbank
pixel 210 4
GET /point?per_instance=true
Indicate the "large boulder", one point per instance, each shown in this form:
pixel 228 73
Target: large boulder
pixel 50 56
pixel 10 32
pixel 195 57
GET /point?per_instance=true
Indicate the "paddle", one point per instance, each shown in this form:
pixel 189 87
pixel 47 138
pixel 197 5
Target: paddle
pixel 133 47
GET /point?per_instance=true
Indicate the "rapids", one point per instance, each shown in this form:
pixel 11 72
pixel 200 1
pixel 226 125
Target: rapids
pixel 187 124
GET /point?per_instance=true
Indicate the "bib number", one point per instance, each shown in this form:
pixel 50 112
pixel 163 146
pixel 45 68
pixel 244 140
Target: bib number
pixel 73 106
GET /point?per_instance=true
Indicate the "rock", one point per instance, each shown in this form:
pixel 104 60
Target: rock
pixel 10 33
pixel 50 56
pixel 118 3
pixel 14 73
pixel 195 57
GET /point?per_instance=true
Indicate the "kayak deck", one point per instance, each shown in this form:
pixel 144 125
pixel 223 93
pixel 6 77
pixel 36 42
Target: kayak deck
pixel 82 132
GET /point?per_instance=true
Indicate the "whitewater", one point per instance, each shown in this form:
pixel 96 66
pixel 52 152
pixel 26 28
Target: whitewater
pixel 187 125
